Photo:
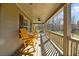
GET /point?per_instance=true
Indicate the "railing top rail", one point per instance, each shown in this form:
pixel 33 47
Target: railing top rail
pixel 74 39
pixel 58 49
pixel 61 35
pixel 58 34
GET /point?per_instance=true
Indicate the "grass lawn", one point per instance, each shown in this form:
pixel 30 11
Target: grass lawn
pixel 75 35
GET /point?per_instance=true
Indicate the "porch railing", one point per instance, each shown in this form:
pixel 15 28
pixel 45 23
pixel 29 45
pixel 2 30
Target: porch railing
pixel 48 47
pixel 74 47
pixel 57 39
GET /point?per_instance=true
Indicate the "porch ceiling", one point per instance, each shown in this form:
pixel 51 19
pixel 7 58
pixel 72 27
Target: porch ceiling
pixel 38 10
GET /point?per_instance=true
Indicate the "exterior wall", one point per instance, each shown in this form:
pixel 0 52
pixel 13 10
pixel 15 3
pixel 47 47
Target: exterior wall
pixel 9 26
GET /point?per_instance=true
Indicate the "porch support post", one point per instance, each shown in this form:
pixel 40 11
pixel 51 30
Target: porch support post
pixel 67 29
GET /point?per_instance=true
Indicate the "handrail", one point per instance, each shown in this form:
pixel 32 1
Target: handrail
pixel 58 34
pixel 74 39
pixel 60 51
pixel 73 42
pixel 55 50
pixel 58 42
pixel 74 46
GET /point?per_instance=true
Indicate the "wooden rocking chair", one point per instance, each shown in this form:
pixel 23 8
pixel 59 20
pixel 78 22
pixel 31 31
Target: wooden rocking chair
pixel 29 40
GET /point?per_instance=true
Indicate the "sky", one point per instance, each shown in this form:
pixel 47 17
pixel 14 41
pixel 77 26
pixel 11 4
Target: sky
pixel 75 11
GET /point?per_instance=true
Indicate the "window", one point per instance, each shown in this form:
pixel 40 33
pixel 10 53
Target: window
pixel 25 23
pixel 75 20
